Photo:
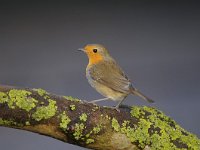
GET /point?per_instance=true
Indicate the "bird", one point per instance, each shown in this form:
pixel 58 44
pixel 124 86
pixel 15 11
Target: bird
pixel 107 77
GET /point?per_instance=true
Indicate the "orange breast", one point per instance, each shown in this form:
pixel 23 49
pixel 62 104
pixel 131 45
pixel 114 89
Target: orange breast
pixel 94 58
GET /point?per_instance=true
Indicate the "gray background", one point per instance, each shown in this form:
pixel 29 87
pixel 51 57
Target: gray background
pixel 155 42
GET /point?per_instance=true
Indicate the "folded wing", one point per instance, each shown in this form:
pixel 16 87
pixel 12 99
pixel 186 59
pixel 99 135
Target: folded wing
pixel 112 76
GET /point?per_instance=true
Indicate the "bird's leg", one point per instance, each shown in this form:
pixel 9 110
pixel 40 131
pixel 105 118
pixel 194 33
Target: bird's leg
pixel 120 102
pixel 98 100
pixel 117 106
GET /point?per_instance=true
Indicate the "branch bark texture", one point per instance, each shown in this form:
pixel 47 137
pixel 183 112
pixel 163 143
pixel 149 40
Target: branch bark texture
pixel 73 121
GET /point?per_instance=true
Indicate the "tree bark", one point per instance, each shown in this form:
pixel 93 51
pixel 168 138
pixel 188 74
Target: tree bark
pixel 73 121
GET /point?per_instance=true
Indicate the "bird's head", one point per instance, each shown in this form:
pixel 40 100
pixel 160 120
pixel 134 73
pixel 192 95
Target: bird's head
pixel 96 53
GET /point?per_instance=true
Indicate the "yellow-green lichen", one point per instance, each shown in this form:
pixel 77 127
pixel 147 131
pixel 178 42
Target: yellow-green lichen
pixel 83 117
pixel 45 112
pixel 115 124
pixel 41 92
pixel 97 129
pixel 72 107
pixel 88 141
pixel 3 97
pixel 136 112
pixel 95 108
pixel 192 141
pixel 27 123
pixel 141 133
pixel 88 135
pixel 4 122
pixel 108 117
pixel 65 120
pixel 79 127
pixel 158 131
pixel 129 131
pixel 171 133
pixel 21 99
pixel 70 98
pixel 137 134
pixel 124 126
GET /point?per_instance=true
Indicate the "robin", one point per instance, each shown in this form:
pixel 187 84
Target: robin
pixel 106 76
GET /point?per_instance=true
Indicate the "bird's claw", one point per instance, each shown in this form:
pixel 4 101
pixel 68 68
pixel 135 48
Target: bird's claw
pixel 84 101
pixel 116 108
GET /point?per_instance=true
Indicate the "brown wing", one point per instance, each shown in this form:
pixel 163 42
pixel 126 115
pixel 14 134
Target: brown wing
pixel 111 75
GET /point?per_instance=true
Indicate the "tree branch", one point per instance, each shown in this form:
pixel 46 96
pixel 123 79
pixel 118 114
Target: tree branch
pixel 91 126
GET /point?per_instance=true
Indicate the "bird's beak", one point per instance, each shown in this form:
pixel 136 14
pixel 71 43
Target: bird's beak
pixel 81 49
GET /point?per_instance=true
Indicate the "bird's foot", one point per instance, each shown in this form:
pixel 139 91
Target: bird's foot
pixel 92 102
pixel 84 101
pixel 116 108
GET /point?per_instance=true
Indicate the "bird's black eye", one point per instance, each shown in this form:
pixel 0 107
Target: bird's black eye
pixel 95 50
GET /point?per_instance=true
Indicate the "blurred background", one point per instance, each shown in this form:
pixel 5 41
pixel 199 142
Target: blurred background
pixel 157 43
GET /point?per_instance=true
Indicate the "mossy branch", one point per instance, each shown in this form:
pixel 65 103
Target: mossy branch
pixel 91 126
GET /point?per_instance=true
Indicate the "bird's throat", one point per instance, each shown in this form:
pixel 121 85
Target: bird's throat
pixel 95 59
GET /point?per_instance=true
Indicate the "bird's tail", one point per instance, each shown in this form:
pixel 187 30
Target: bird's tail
pixel 138 93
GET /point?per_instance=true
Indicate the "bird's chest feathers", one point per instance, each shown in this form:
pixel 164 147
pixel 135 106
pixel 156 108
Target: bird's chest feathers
pixel 93 74
pixel 94 59
pixel 89 75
